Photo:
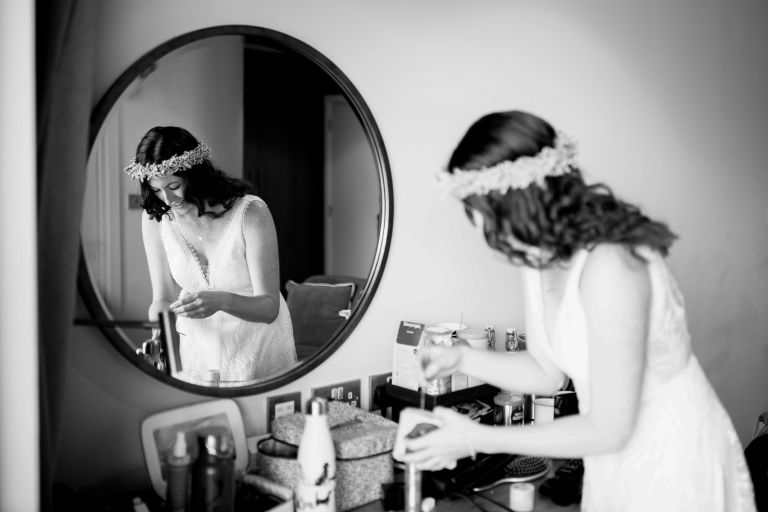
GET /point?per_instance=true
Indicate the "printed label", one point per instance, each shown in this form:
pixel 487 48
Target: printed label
pixel 315 498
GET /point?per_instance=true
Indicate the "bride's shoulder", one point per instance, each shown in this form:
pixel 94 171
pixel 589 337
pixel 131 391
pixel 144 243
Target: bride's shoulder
pixel 616 254
pixel 613 265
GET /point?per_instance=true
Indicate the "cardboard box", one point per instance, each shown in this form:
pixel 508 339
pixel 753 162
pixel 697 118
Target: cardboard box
pixel 459 381
pixel 405 358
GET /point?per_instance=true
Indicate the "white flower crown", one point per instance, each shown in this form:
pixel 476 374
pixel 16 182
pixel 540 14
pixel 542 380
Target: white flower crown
pixel 517 174
pixel 170 166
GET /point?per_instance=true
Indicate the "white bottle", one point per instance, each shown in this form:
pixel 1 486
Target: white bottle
pixel 316 488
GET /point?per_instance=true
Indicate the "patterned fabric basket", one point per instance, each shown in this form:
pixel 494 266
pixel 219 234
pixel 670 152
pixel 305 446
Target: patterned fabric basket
pixel 363 442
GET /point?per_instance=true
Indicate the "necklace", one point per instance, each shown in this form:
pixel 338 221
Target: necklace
pixel 204 270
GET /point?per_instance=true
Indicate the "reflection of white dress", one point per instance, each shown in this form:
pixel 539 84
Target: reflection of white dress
pixel 684 454
pixel 239 349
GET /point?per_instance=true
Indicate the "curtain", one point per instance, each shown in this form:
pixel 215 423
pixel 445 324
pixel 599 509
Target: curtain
pixel 65 38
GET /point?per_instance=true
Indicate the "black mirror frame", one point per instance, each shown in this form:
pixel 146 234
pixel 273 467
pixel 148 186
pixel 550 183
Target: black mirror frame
pixel 93 302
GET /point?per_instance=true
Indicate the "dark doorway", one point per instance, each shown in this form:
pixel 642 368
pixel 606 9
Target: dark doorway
pixel 283 152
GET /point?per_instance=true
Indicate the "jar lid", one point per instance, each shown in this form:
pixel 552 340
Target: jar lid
pixel 508 399
pixel 317 406
pixel 474 334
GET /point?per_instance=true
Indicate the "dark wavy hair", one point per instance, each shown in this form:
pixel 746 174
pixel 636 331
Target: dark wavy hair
pixel 562 216
pixel 204 182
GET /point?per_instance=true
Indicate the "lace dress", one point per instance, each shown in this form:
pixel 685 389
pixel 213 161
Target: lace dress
pixel 239 349
pixel 684 454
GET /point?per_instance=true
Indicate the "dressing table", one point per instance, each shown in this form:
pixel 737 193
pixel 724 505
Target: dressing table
pixel 494 500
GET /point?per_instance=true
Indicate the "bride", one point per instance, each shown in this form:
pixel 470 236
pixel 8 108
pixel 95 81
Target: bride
pixel 212 253
pixel 602 308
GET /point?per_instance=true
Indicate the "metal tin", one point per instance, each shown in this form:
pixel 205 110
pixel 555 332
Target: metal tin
pixel 491 337
pixel 511 343
pixel 508 409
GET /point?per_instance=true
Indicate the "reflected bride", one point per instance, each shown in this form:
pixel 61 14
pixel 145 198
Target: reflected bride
pixel 279 115
pixel 212 255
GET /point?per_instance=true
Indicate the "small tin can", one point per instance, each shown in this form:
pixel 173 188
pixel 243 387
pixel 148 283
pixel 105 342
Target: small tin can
pixel 508 409
pixel 212 377
pixel 511 343
pixel 491 337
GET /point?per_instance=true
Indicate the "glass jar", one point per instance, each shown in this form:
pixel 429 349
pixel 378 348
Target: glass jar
pixel 437 336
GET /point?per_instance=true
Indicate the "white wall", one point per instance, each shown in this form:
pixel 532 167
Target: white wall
pixel 666 99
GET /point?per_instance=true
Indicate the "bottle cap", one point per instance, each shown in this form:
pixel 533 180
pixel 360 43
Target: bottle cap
pixel 317 406
pixel 216 441
pixel 180 445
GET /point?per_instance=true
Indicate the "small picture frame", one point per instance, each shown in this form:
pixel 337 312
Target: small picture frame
pixel 158 433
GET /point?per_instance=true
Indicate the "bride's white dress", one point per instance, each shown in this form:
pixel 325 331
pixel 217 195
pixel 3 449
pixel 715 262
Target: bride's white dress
pixel 684 454
pixel 238 349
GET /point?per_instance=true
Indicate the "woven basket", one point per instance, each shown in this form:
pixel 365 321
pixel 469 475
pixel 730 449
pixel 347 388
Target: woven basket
pixel 363 443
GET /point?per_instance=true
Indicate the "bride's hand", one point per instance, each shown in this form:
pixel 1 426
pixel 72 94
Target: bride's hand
pixel 439 361
pixel 201 304
pixel 454 439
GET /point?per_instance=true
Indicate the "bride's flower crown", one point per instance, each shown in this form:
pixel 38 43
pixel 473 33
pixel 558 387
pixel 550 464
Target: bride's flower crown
pixel 169 166
pixel 517 174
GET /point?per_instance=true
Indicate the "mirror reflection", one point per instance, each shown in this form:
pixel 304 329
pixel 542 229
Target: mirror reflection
pixel 273 119
pixel 212 254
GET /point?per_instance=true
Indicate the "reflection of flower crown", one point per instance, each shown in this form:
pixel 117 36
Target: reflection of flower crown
pixel 517 174
pixel 170 166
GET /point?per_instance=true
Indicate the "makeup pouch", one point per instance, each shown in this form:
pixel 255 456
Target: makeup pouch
pixel 363 443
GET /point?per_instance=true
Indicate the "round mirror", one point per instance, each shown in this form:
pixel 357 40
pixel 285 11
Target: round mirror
pixel 279 115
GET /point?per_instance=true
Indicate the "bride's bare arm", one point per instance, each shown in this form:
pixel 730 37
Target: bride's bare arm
pixel 516 371
pixel 263 266
pixel 615 293
pixel 164 289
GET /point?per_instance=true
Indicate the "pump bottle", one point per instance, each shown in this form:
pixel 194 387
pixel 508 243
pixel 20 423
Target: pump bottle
pixel 213 472
pixel 178 475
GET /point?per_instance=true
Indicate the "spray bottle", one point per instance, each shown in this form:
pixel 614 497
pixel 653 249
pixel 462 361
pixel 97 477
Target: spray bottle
pixel 178 475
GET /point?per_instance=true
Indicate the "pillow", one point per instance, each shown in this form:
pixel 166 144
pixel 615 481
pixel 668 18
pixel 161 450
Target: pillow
pixel 359 283
pixel 315 311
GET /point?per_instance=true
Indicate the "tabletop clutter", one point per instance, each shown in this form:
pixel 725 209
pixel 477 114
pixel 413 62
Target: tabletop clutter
pixel 509 408
pixel 359 464
pixel 336 457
